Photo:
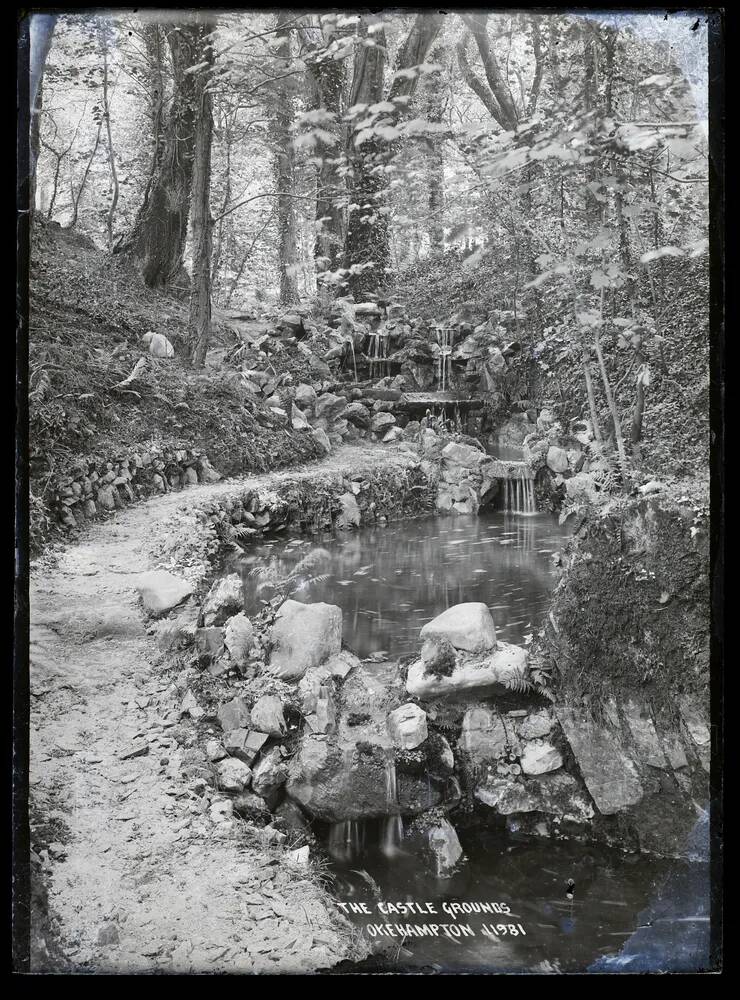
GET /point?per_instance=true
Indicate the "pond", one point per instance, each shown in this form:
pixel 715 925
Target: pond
pixel 627 912
pixel 390 580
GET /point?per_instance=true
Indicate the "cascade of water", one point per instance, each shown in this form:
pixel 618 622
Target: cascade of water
pixel 392 825
pixel 346 839
pixel 519 493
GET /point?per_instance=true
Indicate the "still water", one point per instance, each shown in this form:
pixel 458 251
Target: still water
pixel 389 581
pixel 628 913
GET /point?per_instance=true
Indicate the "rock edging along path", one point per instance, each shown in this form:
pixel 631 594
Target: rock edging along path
pixel 138 881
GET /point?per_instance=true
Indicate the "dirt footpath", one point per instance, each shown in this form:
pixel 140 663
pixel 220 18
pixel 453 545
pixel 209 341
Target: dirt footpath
pixel 138 879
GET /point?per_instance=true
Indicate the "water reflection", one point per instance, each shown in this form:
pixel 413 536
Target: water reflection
pixel 390 580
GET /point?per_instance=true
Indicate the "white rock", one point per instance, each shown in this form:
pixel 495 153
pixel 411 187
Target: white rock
pixel 322 440
pixel 161 591
pixel 238 634
pixel 233 775
pixel 445 846
pixel 483 735
pixel 463 454
pixel 539 758
pixel 297 419
pixel 301 856
pixel 160 347
pixel 215 751
pixel 267 716
pixel 467 626
pixel 407 726
pixel 507 664
pixel 270 773
pixel 221 811
pixel 557 459
pixel 304 635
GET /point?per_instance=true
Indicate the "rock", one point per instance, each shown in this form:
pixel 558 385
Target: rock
pixel 556 794
pixel 297 419
pixel 215 751
pixel 267 716
pixel 301 856
pixel 643 732
pixel 190 477
pixel 389 395
pixel 536 725
pixel 444 845
pixel 291 816
pixel 189 706
pixel 304 635
pixel 235 744
pixel 161 591
pixel 233 775
pixel 463 454
pixel 224 599
pixel 557 459
pixel 305 396
pixel 654 486
pixel 609 773
pixel 393 434
pixel 382 422
pixel 540 758
pixel 333 783
pixel 107 935
pixel 358 415
pixel 209 641
pixel 508 664
pixel 238 635
pixel 466 626
pixel 407 726
pixel 545 420
pixel 483 735
pixel 221 810
pixel 326 712
pixel 438 655
pixel 322 440
pixel 341 664
pixel 233 714
pixel 270 774
pixel 159 346
pixel 329 405
pixel 250 806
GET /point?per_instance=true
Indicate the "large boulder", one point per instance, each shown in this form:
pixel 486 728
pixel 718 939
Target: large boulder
pixel 382 422
pixel 270 773
pixel 233 714
pixel 466 626
pixel 557 459
pixel 267 716
pixel 224 599
pixel 556 794
pixel 407 726
pixel 608 771
pixel 358 414
pixel 238 634
pixel 329 405
pixel 499 672
pixel 333 783
pixel 161 591
pixel 304 635
pixel 463 454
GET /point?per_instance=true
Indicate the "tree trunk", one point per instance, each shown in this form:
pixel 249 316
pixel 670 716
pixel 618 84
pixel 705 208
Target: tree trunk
pixel 157 238
pixel 199 324
pixel 40 35
pixel 111 151
pixel 367 250
pixel 285 168
pixel 614 413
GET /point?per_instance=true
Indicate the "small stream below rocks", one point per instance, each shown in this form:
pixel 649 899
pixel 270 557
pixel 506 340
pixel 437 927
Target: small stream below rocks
pixel 390 580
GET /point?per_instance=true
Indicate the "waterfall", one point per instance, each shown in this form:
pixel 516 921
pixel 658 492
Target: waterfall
pixel 444 361
pixel 378 351
pixel 392 835
pixel 346 839
pixel 519 494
